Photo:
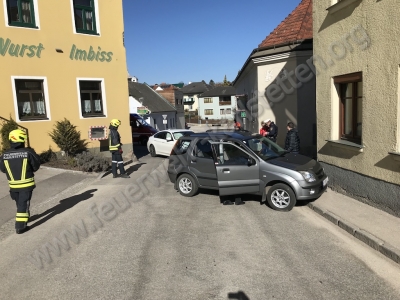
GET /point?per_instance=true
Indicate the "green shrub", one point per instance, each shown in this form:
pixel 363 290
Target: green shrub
pixel 5 130
pixel 88 162
pixel 67 137
pixel 47 156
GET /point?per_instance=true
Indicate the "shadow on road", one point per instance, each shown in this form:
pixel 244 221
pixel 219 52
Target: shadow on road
pixel 128 171
pixel 239 296
pixel 64 204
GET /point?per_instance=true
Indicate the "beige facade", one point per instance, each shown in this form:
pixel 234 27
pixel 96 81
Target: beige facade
pixel 358 108
pixel 63 60
pixel 359 37
pixel 275 90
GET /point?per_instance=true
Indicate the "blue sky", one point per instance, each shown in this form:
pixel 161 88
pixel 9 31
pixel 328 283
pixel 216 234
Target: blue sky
pixel 184 40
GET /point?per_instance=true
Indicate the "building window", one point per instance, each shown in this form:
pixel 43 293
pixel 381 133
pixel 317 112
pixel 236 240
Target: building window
pixel 208 112
pixel 30 99
pixel 225 100
pixel 21 13
pixel 91 98
pixel 351 99
pixel 222 111
pixel 228 111
pixel 85 16
pixel 208 100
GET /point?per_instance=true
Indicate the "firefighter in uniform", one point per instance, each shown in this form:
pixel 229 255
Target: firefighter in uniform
pixel 116 150
pixel 19 164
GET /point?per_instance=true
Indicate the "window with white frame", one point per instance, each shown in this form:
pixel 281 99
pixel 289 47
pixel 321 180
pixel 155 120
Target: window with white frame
pixel 208 112
pixel 228 111
pixel 91 98
pixel 222 111
pixel 208 100
pixel 30 99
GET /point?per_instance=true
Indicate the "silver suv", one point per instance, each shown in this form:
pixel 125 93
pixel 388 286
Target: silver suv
pixel 236 163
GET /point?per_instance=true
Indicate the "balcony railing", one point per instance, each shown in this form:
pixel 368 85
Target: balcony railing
pixel 225 103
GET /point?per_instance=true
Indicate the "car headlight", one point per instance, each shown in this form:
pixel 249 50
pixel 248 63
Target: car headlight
pixel 308 176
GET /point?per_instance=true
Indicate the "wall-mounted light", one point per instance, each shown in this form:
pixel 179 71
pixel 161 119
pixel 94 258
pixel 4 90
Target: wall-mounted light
pixel 59 50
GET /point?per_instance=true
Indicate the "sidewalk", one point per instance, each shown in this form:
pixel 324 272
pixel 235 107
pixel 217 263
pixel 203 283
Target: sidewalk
pixel 372 226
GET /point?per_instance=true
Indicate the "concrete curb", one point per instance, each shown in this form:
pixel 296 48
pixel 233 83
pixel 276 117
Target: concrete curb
pixel 374 242
pixel 69 171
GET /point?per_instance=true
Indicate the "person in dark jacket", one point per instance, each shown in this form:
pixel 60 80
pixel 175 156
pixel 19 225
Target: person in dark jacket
pixel 292 142
pixel 19 164
pixel 115 147
pixel 272 133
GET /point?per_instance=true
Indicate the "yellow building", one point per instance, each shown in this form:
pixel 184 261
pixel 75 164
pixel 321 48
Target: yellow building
pixel 63 59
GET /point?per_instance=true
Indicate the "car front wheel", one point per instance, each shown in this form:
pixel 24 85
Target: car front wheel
pixel 153 151
pixel 281 197
pixel 187 186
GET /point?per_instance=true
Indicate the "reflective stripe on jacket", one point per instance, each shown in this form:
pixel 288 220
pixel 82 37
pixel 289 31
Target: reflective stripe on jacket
pixel 114 140
pixel 19 166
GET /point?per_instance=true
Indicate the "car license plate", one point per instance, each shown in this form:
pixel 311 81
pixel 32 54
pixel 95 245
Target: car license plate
pixel 325 182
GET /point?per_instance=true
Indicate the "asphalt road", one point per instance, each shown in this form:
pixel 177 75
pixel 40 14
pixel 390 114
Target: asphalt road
pixel 156 244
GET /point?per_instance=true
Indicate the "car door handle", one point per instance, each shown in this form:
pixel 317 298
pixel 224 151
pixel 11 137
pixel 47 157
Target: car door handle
pixel 226 170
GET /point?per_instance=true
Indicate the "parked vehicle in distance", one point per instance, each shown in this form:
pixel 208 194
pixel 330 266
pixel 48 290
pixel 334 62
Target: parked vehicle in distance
pixel 236 163
pixel 163 141
pixel 141 130
pixel 227 130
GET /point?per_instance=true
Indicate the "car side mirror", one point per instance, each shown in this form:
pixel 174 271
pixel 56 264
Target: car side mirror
pixel 251 161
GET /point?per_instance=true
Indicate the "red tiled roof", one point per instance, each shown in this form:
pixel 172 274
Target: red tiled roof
pixel 297 26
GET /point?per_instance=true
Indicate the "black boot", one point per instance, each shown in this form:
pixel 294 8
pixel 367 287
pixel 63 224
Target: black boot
pixel 125 176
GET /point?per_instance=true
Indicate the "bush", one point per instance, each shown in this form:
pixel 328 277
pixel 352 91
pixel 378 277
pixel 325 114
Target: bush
pixel 88 162
pixel 47 156
pixel 67 138
pixel 5 131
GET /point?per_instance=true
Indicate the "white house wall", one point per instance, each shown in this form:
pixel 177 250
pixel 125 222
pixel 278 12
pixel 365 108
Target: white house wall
pixel 216 109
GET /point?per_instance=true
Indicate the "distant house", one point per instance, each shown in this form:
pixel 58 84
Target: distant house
pixel 218 103
pixel 175 97
pixel 140 94
pixel 191 94
pixel 277 80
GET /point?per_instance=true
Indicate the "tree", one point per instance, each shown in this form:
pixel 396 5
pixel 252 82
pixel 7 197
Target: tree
pixel 212 83
pixel 67 137
pixel 226 82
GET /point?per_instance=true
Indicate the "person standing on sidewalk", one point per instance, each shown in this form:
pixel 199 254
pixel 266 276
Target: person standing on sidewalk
pixel 19 164
pixel 292 142
pixel 115 147
pixel 272 133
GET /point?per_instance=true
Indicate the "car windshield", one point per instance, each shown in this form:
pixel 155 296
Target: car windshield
pixel 264 147
pixel 177 135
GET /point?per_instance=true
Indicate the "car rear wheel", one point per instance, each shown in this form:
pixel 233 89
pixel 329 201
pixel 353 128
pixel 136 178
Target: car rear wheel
pixel 153 151
pixel 281 197
pixel 187 186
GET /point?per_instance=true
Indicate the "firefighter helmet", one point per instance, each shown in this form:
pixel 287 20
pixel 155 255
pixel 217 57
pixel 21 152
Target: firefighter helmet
pixel 115 122
pixel 17 136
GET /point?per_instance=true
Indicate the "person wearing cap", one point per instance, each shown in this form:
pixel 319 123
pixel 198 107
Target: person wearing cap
pixel 272 133
pixel 115 147
pixel 20 164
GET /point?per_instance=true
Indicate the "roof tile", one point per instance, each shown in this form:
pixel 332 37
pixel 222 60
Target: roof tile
pixel 296 26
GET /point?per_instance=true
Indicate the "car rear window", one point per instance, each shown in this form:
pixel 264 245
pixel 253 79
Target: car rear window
pixel 180 147
pixel 177 135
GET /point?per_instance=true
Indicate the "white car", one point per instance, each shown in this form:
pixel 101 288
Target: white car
pixel 163 141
